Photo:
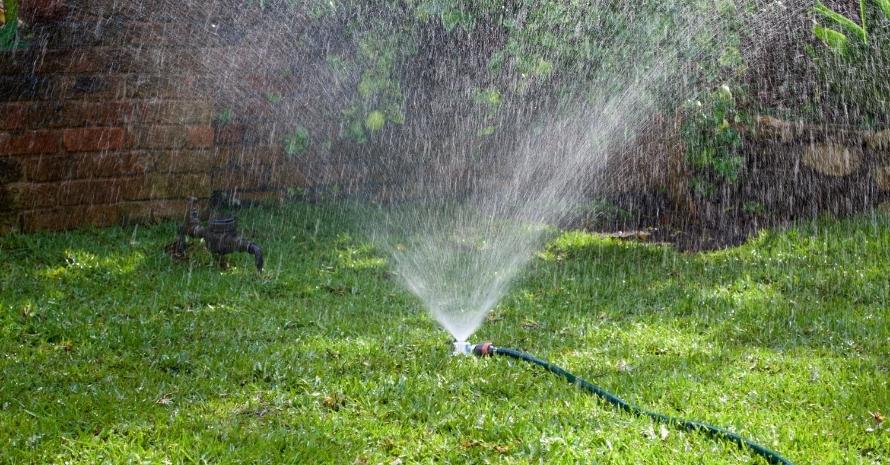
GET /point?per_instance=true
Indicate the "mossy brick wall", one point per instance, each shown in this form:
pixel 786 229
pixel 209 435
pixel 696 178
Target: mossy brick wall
pixel 110 114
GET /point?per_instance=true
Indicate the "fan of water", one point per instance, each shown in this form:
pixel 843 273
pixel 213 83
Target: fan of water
pixel 500 123
pixel 475 220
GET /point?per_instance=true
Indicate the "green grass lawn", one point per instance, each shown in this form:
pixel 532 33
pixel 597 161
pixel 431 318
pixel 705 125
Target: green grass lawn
pixel 112 353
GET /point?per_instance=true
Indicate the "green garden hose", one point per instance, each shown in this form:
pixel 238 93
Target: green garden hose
pixel 486 349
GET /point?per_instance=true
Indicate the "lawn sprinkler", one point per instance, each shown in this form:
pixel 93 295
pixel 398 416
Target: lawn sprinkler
pixel 220 236
pixel 487 349
pixel 462 348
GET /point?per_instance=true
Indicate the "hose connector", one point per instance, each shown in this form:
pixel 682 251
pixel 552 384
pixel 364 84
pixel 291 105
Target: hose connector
pixel 485 349
pixel 462 348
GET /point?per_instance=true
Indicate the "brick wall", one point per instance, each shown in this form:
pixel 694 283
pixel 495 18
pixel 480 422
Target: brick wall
pixel 111 114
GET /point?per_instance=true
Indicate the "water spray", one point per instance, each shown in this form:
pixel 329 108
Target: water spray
pixel 462 348
pixel 487 349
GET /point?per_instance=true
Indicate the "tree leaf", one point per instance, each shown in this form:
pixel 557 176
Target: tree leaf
pixel 835 40
pixel 842 20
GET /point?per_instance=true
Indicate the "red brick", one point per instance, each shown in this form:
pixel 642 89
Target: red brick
pixel 101 87
pixel 95 60
pixel 158 137
pixel 179 112
pixel 112 164
pixel 290 175
pixel 29 142
pixel 18 62
pixel 10 170
pixel 188 161
pixel 48 168
pixel 74 114
pixel 12 115
pixel 60 218
pixel 93 139
pixel 229 134
pixel 242 181
pixel 9 222
pixel 184 60
pixel 101 191
pixel 276 195
pixel 166 86
pixel 165 186
pixel 242 157
pixel 173 137
pixel 68 114
pixel 28 196
pixel 29 115
pixel 153 210
pixel 8 199
pixel 43 10
pixel 199 137
pixel 76 193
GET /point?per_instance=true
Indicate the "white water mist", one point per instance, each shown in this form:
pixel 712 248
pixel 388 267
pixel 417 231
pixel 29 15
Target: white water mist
pixel 471 228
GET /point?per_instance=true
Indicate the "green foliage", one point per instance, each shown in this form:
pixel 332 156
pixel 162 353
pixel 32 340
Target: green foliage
pixel 9 37
pixel 753 208
pixel 486 131
pixel 885 7
pixel 451 14
pixel 225 116
pixel 566 49
pixel 454 17
pixel 601 211
pixel 297 142
pixel 381 50
pixel 489 98
pixel 851 26
pixel 835 40
pixel 852 70
pixel 712 140
pixel 375 121
pixel 354 130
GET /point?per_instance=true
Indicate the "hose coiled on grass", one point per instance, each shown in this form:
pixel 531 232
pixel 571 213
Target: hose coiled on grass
pixel 771 456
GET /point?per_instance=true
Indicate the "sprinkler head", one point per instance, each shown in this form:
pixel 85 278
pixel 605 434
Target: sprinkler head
pixel 462 348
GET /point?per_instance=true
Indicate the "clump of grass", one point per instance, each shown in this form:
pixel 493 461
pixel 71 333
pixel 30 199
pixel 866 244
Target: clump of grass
pixel 111 352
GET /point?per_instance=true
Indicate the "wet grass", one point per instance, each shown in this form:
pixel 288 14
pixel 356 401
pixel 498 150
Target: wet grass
pixel 111 353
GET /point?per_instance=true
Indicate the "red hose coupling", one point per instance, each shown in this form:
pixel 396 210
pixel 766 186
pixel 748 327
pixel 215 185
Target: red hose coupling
pixel 486 349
